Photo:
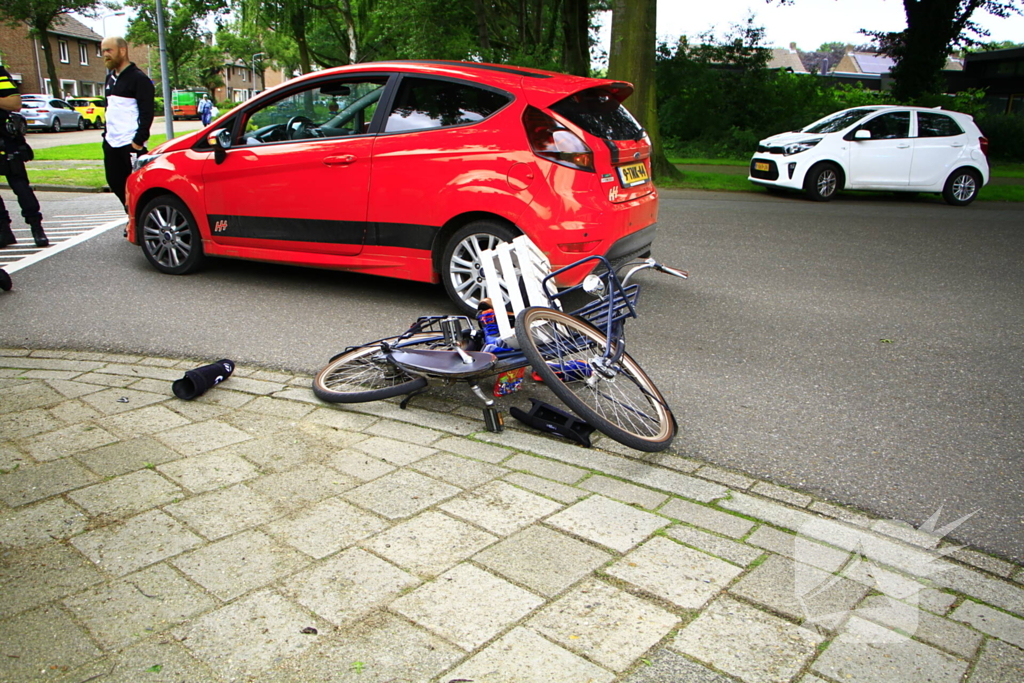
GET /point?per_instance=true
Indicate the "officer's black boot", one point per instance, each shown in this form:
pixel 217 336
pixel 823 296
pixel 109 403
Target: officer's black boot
pixel 38 235
pixel 7 237
pixel 5 280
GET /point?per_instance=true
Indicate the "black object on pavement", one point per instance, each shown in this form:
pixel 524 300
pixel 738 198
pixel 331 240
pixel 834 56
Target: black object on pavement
pixel 548 418
pixel 5 281
pixel 195 382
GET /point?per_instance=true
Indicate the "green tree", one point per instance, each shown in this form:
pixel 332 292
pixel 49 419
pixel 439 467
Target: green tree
pixel 632 58
pixel 186 39
pixel 40 15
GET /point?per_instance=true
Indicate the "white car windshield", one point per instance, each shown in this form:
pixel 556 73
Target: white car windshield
pixel 838 121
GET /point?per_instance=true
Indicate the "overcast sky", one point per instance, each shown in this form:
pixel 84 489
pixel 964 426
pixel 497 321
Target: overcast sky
pixel 808 23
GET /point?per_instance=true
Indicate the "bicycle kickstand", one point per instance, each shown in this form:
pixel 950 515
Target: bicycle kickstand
pixel 492 416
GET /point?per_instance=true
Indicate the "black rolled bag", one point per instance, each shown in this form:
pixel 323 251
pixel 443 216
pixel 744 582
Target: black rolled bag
pixel 196 382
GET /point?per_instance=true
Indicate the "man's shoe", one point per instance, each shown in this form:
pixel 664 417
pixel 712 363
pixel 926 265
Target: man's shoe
pixel 5 281
pixel 39 236
pixel 7 237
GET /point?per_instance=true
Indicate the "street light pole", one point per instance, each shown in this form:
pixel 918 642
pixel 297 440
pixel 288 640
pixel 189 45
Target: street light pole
pixel 258 54
pixel 168 115
pixel 103 21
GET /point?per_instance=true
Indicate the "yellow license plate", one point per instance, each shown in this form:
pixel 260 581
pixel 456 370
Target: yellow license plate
pixel 761 166
pixel 633 174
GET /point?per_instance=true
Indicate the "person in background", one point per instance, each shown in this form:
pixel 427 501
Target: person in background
pixel 130 103
pixel 12 166
pixel 205 109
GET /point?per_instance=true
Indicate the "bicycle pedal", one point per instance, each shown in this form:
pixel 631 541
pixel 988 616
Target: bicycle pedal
pixel 547 418
pixel 493 420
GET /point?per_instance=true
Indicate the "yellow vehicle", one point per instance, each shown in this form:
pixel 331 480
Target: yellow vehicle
pixel 92 109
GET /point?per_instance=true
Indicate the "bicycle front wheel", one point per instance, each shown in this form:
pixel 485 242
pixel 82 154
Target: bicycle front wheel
pixel 617 398
pixel 365 374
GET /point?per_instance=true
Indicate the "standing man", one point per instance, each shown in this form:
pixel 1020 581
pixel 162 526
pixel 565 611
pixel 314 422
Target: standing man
pixel 129 114
pixel 205 109
pixel 13 150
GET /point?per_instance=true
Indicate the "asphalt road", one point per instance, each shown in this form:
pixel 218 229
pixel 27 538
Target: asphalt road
pixel 866 350
pixel 43 139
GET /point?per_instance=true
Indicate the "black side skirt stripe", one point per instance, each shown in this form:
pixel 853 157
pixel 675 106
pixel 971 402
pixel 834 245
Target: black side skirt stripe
pixel 406 235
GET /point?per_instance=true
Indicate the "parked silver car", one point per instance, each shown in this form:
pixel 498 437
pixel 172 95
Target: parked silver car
pixel 47 113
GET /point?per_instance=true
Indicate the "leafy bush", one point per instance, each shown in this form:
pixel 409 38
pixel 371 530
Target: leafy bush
pixel 1005 133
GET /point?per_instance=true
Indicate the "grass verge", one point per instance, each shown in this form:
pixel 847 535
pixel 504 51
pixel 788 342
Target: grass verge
pixel 94 178
pixel 86 151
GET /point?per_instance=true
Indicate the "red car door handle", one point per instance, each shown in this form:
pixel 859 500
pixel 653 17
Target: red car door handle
pixel 342 160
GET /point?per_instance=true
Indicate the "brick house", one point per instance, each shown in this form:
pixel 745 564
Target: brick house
pixel 239 85
pixel 76 54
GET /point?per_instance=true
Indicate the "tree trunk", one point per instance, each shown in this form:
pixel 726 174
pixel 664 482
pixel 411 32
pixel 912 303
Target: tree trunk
pixel 350 30
pixel 51 66
pixel 483 34
pixel 576 37
pixel 632 58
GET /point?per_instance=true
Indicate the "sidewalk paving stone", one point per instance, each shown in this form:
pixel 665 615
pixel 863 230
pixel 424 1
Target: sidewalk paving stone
pixel 399 494
pixel 680 575
pixel 403 431
pixel 430 543
pixel 30 483
pixel 462 472
pixel 543 560
pixel 238 564
pixel 943 633
pixel 473 449
pixel 71 412
pixel 303 486
pixel 28 396
pixel 393 451
pixel 143 540
pixel 707 518
pixel 33 577
pixel 202 437
pixel 522 656
pixel 665 666
pixel 245 638
pixel 112 401
pixel 209 471
pixel 73 389
pixel 872 654
pixel 500 508
pixel 606 624
pixel 326 528
pixel 630 494
pixel 348 586
pixel 737 553
pixel 55 644
pixel 358 465
pixel 999 663
pixel 67 441
pixel 608 523
pixel 746 642
pixel 801 592
pixel 278 452
pixel 26 423
pixel 289 410
pixel 223 512
pixel 545 487
pixel 991 622
pixel 128 495
pixel 798 548
pixel 50 520
pixel 136 605
pixel 467 606
pixel 565 474
pixel 127 456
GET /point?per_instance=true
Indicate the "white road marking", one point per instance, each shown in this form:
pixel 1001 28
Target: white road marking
pixel 60 240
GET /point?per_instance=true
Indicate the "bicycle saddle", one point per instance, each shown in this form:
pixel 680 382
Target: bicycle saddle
pixel 443 362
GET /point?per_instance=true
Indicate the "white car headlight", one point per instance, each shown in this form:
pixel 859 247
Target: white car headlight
pixel 797 147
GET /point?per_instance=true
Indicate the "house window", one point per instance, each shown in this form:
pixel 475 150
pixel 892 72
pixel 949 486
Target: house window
pixel 83 54
pixel 62 47
pixel 99 50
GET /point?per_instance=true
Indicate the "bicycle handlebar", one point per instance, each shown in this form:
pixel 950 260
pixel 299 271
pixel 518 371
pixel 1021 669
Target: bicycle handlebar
pixel 651 263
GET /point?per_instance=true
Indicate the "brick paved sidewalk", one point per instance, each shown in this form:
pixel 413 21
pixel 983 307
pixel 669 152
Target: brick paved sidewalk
pixel 257 534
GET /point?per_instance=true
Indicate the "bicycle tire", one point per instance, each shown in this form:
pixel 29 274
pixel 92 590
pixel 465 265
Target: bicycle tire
pixel 363 374
pixel 620 401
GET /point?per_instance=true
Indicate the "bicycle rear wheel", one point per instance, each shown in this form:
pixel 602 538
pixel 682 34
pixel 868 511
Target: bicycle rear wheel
pixel 618 399
pixel 365 374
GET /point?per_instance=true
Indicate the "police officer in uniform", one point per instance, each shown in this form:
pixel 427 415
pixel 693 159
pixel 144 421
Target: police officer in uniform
pixel 14 151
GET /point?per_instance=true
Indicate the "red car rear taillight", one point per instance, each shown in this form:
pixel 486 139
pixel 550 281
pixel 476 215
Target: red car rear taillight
pixel 984 145
pixel 553 141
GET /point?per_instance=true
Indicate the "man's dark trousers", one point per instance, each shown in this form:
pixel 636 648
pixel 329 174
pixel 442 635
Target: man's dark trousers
pixel 17 178
pixel 117 162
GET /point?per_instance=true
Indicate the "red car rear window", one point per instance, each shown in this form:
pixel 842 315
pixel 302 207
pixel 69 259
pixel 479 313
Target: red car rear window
pixel 597 112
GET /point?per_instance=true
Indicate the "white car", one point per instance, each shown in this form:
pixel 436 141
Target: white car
pixel 903 149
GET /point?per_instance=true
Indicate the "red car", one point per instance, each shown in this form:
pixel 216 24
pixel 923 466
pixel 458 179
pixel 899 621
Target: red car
pixel 404 169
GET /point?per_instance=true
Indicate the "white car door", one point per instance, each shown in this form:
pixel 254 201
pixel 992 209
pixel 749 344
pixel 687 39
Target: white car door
pixel 884 159
pixel 938 147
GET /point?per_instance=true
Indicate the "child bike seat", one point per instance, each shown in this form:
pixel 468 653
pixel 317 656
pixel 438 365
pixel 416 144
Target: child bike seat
pixel 443 362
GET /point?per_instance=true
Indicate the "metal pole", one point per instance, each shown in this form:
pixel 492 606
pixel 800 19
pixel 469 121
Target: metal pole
pixel 254 89
pixel 168 115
